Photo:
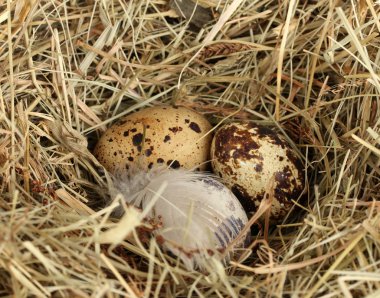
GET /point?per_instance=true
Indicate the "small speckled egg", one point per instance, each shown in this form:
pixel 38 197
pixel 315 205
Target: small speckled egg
pixel 246 156
pixel 161 135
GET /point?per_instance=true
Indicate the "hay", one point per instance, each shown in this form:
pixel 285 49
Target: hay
pixel 69 69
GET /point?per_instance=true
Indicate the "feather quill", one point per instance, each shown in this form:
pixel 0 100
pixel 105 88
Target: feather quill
pixel 200 216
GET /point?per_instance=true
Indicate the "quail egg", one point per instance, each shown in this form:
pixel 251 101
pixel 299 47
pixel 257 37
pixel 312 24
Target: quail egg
pixel 246 156
pixel 160 135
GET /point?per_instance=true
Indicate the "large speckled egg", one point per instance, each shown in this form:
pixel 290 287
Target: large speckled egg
pixel 161 135
pixel 246 156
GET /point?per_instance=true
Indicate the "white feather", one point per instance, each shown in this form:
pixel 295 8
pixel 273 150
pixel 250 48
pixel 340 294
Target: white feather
pixel 200 216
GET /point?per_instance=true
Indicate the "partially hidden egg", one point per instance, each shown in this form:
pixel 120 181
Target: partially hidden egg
pixel 246 156
pixel 160 135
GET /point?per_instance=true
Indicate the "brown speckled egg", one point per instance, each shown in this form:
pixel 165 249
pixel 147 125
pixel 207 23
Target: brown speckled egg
pixel 246 156
pixel 162 135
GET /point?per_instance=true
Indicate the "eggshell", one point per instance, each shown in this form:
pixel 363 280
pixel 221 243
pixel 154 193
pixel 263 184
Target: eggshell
pixel 247 156
pixel 162 135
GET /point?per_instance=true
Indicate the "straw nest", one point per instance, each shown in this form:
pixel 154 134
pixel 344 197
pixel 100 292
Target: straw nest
pixel 68 69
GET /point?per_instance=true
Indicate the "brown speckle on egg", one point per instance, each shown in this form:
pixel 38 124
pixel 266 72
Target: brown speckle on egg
pixel 194 126
pixel 175 129
pixel 243 197
pixel 137 139
pixel 174 164
pixel 148 152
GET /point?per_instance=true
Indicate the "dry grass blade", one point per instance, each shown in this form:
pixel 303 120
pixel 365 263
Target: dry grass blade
pixel 68 69
pixel 223 49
